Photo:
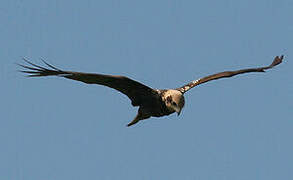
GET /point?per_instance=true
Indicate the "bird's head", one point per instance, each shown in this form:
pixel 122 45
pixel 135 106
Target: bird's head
pixel 174 100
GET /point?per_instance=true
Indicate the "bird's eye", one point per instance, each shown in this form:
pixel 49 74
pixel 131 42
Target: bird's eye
pixel 169 99
pixel 174 104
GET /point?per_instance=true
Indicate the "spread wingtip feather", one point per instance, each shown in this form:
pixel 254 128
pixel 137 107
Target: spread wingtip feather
pixel 277 60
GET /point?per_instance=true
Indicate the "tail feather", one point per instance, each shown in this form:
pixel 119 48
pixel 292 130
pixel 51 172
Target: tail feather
pixel 137 118
pixel 132 122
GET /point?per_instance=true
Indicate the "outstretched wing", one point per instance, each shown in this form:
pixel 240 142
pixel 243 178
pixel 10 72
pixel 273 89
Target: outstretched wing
pixel 136 91
pixel 227 74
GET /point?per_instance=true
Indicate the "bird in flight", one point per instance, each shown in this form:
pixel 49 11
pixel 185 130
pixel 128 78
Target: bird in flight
pixel 151 102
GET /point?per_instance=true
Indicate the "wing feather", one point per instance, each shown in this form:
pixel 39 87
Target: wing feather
pixel 137 92
pixel 227 74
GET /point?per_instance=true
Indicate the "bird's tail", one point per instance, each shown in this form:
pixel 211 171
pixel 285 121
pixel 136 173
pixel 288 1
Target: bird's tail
pixel 134 121
pixel 137 118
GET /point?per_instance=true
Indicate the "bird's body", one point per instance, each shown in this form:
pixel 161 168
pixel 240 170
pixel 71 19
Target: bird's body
pixel 151 102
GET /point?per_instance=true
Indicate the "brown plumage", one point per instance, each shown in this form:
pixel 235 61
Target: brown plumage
pixel 151 102
pixel 227 74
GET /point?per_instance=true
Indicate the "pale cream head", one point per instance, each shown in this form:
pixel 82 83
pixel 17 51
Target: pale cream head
pixel 174 100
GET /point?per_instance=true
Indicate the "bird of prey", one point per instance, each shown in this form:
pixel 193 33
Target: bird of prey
pixel 151 102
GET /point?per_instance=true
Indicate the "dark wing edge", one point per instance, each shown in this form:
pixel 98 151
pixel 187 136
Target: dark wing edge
pixel 136 91
pixel 227 74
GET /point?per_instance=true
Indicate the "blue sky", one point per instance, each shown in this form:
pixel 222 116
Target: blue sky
pixel 231 129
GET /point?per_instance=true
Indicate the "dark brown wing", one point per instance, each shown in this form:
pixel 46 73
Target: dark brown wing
pixel 227 74
pixel 137 92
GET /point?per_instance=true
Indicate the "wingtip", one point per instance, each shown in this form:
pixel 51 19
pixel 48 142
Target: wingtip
pixel 49 65
pixel 277 60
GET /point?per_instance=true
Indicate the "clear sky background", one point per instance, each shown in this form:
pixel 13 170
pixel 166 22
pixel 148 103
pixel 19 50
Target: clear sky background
pixel 231 129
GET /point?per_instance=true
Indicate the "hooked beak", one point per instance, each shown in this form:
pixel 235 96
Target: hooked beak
pixel 178 110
